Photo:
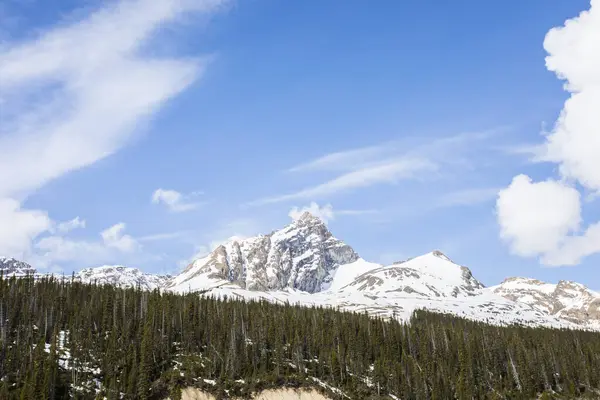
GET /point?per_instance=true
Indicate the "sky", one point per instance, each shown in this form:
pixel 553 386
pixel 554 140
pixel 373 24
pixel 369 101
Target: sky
pixel 144 132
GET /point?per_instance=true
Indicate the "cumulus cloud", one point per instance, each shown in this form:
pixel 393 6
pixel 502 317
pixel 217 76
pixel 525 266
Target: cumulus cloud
pixel 115 238
pixel 325 213
pixel 574 55
pixel 544 218
pixel 536 217
pixel 175 201
pixel 18 227
pixel 113 245
pixel 68 226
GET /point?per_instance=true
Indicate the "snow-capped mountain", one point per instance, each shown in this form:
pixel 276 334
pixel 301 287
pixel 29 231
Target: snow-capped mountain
pixel 303 263
pixel 567 300
pixel 432 275
pixel 119 275
pixel 303 256
pixel 430 282
pixel 11 266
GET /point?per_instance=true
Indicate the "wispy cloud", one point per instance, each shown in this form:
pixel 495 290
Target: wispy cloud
pixel 175 201
pixel 342 160
pixel 357 212
pixel 163 236
pixel 468 197
pixel 386 163
pixel 76 93
pixel 386 172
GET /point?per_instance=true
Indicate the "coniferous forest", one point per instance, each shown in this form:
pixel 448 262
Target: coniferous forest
pixel 61 339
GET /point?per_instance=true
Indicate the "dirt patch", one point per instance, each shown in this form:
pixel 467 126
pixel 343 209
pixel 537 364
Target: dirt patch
pixel 273 394
pixel 289 394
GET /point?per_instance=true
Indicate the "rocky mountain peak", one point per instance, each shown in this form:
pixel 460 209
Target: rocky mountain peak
pixel 308 217
pixel 304 255
pixel 568 300
pixel 439 254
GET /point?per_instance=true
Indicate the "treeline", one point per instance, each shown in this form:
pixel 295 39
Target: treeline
pixel 61 339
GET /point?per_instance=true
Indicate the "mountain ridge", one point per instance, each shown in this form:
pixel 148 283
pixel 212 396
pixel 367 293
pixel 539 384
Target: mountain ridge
pixel 304 263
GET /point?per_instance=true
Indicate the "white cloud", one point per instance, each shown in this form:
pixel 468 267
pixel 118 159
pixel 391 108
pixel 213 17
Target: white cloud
pixel 114 237
pixel 175 201
pixel 163 236
pixel 68 226
pixel 325 213
pixel 386 163
pixel 389 172
pixel 114 244
pixel 575 248
pixel 76 93
pixel 356 212
pixel 574 55
pixel 535 218
pixel 18 227
pixel 343 160
pixel 544 219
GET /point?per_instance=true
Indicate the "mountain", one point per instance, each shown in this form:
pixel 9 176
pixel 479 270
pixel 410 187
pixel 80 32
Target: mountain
pixel 303 263
pixel 432 275
pixel 121 276
pixel 429 282
pixel 11 266
pixel 302 256
pixel 570 301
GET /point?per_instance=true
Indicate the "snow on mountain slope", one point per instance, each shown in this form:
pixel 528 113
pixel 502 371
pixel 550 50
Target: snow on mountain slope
pixel 304 255
pixel 485 306
pixel 304 264
pixel 431 281
pixel 567 300
pixel 431 275
pixel 122 276
pixel 10 266
pixel 347 273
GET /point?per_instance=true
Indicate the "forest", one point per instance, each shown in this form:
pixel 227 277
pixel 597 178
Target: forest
pixel 60 339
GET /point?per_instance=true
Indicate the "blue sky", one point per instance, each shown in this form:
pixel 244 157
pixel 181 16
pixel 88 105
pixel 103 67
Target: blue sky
pixel 166 127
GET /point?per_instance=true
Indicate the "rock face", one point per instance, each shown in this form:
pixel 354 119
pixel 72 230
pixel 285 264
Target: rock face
pixel 122 276
pixel 11 266
pixel 303 256
pixel 567 300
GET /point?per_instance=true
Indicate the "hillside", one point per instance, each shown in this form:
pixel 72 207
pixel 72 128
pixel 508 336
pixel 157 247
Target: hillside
pixel 72 340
